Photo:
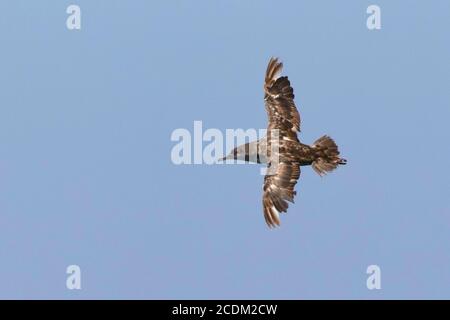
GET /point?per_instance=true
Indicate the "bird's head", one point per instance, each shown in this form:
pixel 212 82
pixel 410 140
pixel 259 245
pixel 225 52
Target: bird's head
pixel 238 153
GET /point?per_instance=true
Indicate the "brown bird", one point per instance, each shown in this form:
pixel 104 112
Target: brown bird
pixel 281 149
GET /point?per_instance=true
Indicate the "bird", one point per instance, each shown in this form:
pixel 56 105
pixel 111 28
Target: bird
pixel 281 150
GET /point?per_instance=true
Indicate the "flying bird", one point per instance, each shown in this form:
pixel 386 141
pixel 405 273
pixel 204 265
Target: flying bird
pixel 284 160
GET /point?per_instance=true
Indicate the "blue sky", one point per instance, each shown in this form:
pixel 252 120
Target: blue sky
pixel 86 176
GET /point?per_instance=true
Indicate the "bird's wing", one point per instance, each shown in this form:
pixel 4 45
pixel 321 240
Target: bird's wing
pixel 279 189
pixel 279 101
pixel 284 118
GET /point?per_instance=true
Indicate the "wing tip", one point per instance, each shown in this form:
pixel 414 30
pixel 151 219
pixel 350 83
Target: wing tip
pixel 274 69
pixel 271 215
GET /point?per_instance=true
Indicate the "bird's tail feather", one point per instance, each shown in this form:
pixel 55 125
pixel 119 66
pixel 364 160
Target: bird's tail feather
pixel 326 155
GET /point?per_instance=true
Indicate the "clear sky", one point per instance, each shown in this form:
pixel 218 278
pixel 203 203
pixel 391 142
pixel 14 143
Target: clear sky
pixel 86 176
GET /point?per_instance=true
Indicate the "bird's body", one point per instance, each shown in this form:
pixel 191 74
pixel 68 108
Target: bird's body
pixel 257 151
pixel 281 149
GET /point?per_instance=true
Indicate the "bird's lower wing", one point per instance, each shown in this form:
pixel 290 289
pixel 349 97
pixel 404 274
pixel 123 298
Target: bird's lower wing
pixel 278 190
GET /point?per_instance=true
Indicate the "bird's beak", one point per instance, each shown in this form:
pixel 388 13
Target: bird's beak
pixel 222 159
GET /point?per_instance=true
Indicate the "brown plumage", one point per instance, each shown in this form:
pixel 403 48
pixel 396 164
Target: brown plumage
pixel 284 165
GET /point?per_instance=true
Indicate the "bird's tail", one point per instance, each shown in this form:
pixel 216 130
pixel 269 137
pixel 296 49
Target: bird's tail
pixel 326 155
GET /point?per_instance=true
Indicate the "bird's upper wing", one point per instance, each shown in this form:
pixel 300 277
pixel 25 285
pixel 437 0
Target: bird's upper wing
pixel 279 189
pixel 279 101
